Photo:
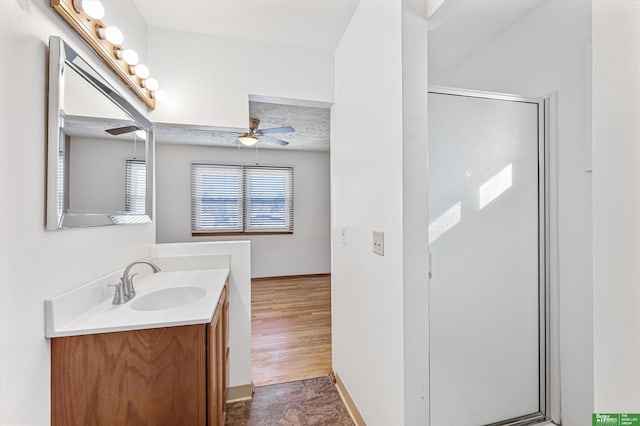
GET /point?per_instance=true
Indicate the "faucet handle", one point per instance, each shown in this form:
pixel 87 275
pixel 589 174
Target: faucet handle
pixel 118 296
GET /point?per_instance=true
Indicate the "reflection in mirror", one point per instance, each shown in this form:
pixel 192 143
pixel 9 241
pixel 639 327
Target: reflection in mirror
pixel 100 149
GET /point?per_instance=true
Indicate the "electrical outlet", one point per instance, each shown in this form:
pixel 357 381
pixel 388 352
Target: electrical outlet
pixel 378 242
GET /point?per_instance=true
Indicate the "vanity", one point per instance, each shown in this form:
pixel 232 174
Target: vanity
pixel 160 358
pixel 158 355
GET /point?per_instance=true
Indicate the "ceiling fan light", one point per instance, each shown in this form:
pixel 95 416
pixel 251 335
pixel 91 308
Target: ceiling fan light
pixel 248 140
pixel 141 134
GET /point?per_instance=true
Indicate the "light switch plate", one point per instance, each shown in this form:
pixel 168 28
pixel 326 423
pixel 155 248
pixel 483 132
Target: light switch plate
pixel 343 235
pixel 378 242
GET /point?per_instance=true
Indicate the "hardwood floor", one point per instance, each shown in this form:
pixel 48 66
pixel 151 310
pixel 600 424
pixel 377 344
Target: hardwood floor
pixel 290 329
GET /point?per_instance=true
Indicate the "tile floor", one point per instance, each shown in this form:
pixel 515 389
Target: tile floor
pixel 305 402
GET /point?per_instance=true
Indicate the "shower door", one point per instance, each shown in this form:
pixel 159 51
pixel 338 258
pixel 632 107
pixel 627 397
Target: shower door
pixel 486 235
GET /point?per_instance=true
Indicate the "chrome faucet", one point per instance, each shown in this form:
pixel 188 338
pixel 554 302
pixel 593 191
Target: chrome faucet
pixel 125 290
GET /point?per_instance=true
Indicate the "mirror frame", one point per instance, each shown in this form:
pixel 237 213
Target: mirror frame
pixel 61 58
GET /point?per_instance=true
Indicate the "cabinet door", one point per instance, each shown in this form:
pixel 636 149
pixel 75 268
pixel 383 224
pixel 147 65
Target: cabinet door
pixel 225 344
pixel 221 370
pixel 217 361
pixel 213 358
pixel 141 377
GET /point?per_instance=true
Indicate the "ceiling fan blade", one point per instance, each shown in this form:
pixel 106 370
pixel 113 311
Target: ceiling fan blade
pixel 273 130
pixel 273 140
pixel 122 130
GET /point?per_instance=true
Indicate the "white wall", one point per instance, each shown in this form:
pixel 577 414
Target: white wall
pixel 307 251
pixel 541 54
pixel 616 205
pixel 367 191
pixel 81 98
pixel 415 213
pixel 223 72
pixel 35 263
pixel 97 173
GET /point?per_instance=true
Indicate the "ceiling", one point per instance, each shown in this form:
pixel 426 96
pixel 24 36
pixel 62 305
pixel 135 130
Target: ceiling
pixel 95 127
pixel 312 24
pixel 311 125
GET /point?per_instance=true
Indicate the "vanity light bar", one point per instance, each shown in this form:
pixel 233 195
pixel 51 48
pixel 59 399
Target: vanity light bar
pixel 101 38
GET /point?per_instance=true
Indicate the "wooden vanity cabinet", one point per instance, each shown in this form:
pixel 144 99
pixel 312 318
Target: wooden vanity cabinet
pixel 159 376
pixel 217 362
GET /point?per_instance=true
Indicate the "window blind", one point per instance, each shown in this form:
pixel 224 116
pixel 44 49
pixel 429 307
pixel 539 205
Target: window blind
pixel 269 199
pixel 134 186
pixel 216 198
pixel 228 198
pixel 60 188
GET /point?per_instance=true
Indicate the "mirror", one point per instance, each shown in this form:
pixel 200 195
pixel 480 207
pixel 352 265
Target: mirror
pixel 100 148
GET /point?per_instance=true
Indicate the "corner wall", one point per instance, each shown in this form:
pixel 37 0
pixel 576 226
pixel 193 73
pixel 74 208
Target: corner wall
pixel 415 213
pixel 35 263
pixel 616 206
pixel 366 191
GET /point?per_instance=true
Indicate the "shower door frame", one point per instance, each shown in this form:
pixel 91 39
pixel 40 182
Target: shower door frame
pixel 544 248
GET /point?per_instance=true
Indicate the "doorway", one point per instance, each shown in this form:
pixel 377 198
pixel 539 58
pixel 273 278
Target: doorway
pixel 487 236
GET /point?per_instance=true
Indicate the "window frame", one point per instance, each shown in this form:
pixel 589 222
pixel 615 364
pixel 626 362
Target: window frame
pixel 245 212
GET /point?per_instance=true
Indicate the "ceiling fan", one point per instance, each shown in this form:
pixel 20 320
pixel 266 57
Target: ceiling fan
pixel 116 131
pixel 254 134
pixel 122 130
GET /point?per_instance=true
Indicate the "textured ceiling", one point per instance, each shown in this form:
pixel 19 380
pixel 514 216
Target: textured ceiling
pixel 313 24
pixel 311 126
pixel 94 127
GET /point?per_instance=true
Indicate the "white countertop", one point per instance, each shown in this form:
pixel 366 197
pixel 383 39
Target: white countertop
pixel 106 317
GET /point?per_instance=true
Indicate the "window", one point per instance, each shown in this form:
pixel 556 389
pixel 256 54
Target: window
pixel 241 199
pixel 134 187
pixel 60 190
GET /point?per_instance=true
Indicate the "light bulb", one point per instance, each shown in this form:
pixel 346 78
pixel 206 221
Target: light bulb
pixel 92 8
pixel 160 95
pixel 142 134
pixel 151 84
pixel 130 56
pixel 142 71
pixel 248 140
pixel 113 35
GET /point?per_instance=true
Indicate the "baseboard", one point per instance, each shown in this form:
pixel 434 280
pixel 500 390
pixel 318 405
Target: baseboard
pixel 346 398
pixel 290 277
pixel 240 393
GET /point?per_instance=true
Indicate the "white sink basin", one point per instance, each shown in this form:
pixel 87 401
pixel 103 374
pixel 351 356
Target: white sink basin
pixel 168 298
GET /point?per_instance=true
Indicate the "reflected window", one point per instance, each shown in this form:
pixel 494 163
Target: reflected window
pixel 135 185
pixel 60 188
